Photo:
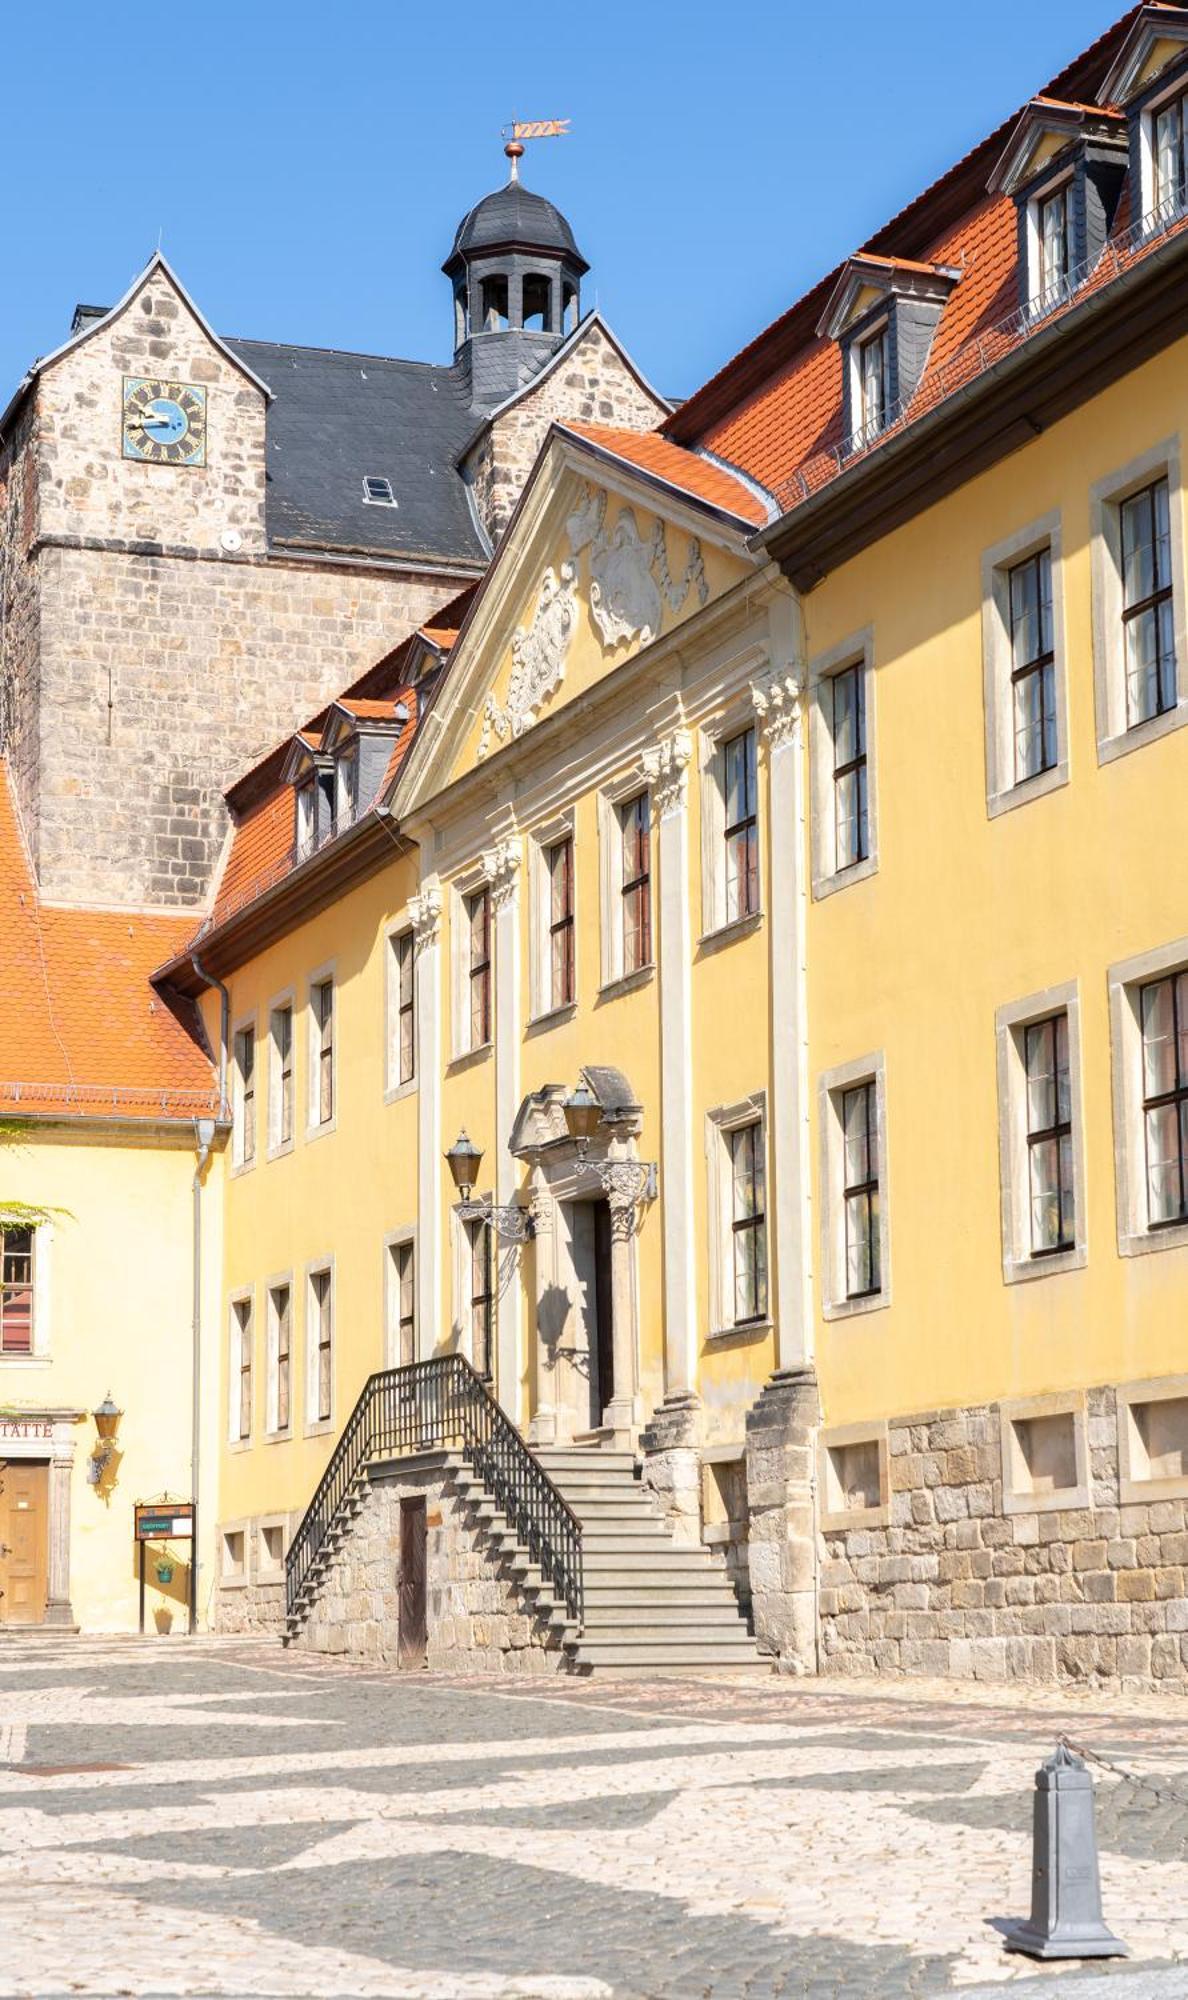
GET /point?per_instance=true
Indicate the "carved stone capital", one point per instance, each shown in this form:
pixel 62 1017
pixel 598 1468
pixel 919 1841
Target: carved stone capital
pixel 425 911
pixel 502 865
pixel 666 770
pixel 777 703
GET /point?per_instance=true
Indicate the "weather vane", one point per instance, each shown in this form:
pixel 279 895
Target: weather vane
pixel 536 128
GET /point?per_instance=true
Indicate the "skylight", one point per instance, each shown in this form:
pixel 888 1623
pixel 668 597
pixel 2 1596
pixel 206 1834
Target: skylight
pixel 378 492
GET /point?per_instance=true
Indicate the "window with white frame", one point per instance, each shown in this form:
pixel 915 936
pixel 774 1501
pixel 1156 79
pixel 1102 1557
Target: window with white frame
pixel 346 785
pixel 1049 243
pixel 1023 666
pixel 481 1288
pixel 1169 157
pixel 240 1361
pixel 477 908
pixel 1149 1024
pixel 320 1345
pixel 1040 1142
pixel 741 831
pixel 280 1358
pixel 874 383
pixel 736 1158
pixel 280 1076
pixel 626 916
pixel 854 1251
pixel 841 751
pixel 1137 557
pixel 17 1252
pixel 243 1101
pixel 402 1010
pixel 558 863
pixel 400 1280
pixel 321 1052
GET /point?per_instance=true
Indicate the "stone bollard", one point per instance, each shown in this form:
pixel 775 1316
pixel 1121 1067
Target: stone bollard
pixel 1066 1919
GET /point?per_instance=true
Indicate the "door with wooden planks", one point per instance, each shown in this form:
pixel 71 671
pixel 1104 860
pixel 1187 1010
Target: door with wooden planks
pixel 24 1541
pixel 414 1625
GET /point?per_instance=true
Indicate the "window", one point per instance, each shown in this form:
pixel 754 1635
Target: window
pixel 860 1191
pixel 635 834
pixel 16 1291
pixel 1149 1030
pixel 849 766
pixel 559 869
pixel 243 1107
pixel 1039 1134
pixel 321 1345
pixel 741 829
pixel 842 766
pixel 478 939
pixel 321 1052
pixel 1049 1136
pixel 1164 1016
pixel 316 801
pixel 346 779
pixel 1153 1440
pixel 402 1014
pixel 1033 668
pixel 874 384
pixel 240 1371
pixel 854 1477
pixel 855 1239
pixel 749 1223
pixel 1147 616
pixel 378 492
pixel 280 1079
pixel 402 1304
pixel 280 1358
pixel 1052 245
pixel 478 1242
pixel 1168 158
pixel 1044 1454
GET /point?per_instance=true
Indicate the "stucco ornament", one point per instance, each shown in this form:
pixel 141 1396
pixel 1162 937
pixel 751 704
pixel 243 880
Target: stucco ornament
pixel 630 581
pixel 777 703
pixel 425 911
pixel 502 865
pixel 538 659
pixel 665 769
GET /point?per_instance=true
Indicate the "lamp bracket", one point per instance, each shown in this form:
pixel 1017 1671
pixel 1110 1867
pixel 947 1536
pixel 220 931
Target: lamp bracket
pixel 510 1222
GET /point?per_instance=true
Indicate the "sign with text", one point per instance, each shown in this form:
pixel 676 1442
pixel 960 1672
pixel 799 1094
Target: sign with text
pixel 165 1520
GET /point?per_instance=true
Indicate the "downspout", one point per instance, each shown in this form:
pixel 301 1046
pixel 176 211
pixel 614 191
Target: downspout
pixel 224 1023
pixel 204 1131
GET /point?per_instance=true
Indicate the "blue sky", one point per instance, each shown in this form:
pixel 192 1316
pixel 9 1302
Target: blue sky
pixel 305 164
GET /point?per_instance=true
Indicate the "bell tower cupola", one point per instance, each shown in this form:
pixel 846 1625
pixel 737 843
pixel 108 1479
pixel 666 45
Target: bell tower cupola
pixel 516 272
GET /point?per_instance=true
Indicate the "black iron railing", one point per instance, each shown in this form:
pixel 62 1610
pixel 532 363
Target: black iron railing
pixel 442 1405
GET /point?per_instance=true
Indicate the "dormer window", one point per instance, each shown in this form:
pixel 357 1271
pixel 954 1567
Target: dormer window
pixel 1064 167
pixel 883 313
pixel 1169 164
pixel 873 380
pixel 1052 244
pixel 346 772
pixel 1148 76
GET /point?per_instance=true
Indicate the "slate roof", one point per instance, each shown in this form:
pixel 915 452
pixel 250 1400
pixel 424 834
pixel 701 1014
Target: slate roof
pixel 338 418
pixel 82 1033
pixel 514 217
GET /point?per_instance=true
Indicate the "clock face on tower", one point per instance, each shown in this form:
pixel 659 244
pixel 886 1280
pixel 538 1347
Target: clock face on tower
pixel 164 422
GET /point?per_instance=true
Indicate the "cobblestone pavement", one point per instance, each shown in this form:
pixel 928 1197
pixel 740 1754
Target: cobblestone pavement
pixel 223 1818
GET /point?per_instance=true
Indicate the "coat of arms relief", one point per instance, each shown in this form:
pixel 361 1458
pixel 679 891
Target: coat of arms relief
pixel 630 586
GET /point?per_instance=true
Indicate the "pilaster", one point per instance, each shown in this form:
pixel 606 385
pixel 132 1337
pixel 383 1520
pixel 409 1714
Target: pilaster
pixel 503 864
pixel 425 910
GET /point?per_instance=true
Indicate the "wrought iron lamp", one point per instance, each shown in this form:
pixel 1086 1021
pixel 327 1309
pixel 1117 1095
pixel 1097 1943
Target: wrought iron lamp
pixel 628 1181
pixel 107 1422
pixel 511 1223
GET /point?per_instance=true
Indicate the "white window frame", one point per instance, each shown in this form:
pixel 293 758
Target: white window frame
pixel 1135 1490
pixel 272 1432
pixel 864 430
pixel 1106 496
pixel 401 927
pixel 315 1129
pixel 720 1124
pixel 241 1161
pixel 717 927
pixel 246 1296
pixel 278 1147
pixel 39 1357
pixel 541 839
pixel 461 889
pixel 1064 1499
pixel 460 1262
pixel 346 765
pixel 831 1089
pixel 404 1238
pixel 1178 87
pixel 858 650
pixel 1019 1264
pixel 834 1517
pixel 318 1267
pixel 1038 301
pixel 1135 1237
pixel 612 802
pixel 1003 793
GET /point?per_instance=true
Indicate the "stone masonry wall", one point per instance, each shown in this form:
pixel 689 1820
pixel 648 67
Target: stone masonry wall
pixel 478 1620
pixel 591 386
pixel 955 1585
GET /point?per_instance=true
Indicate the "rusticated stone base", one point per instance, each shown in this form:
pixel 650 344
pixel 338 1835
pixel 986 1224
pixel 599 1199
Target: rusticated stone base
pixel 672 1465
pixel 954 1583
pixel 781 1550
pixel 479 1620
pixel 250 1607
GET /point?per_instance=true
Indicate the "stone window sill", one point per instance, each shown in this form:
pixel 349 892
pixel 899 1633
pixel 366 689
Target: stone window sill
pixel 724 934
pixel 280 1152
pixel 552 1017
pixel 470 1058
pixel 313 1132
pixel 627 982
pixel 752 1329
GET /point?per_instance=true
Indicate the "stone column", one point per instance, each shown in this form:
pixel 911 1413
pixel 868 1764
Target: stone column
pixel 622 1413
pixel 781 1430
pixel 502 864
pixel 543 1427
pixel 666 769
pixel 777 702
pixel 58 1609
pixel 425 910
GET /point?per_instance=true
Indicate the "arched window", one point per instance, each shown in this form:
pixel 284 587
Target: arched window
pixel 494 297
pixel 538 302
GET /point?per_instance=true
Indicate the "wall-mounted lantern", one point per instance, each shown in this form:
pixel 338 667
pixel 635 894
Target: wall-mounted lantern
pixel 511 1222
pixel 107 1422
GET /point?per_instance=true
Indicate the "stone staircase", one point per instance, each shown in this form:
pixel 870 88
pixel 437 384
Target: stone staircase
pixel 650 1603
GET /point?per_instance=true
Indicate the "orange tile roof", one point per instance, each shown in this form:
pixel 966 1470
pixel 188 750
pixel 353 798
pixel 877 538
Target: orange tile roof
pixel 366 711
pixel 82 1032
pixel 678 467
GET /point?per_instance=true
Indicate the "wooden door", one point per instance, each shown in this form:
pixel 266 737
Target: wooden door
pixel 602 1305
pixel 24 1541
pixel 414 1628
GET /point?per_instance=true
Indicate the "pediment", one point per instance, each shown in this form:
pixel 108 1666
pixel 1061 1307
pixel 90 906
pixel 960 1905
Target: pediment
pixel 1158 37
pixel 1045 129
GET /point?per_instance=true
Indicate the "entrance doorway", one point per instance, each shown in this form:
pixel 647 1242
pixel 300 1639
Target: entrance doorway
pixel 24 1540
pixel 590 1237
pixel 413 1631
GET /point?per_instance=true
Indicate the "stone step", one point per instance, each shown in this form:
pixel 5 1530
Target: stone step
pixel 642 1622
pixel 736 1651
pixel 607 1563
pixel 645 1594
pixel 564 1459
pixel 599 1534
pixel 604 1494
